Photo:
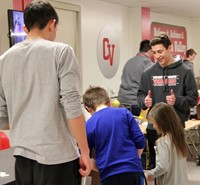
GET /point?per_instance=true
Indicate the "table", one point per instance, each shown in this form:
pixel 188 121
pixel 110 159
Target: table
pixel 7 163
pixel 143 128
pixel 191 125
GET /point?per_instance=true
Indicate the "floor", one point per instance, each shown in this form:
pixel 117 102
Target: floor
pixel 193 173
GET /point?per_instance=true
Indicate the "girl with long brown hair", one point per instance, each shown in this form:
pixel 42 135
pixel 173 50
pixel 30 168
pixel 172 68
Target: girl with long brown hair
pixel 170 147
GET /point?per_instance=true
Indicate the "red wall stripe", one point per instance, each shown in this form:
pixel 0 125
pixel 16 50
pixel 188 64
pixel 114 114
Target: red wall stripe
pixel 20 4
pixel 26 2
pixel 146 31
pixel 17 4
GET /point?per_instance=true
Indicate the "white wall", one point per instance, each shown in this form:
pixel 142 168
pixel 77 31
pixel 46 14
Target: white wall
pixel 4 41
pixel 127 22
pixel 195 34
pixel 96 17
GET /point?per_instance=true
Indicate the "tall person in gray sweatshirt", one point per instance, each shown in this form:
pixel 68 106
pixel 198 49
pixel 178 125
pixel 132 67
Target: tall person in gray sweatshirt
pixel 40 100
pixel 131 75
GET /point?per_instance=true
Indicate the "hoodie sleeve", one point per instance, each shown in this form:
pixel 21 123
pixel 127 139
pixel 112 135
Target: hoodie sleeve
pixel 190 97
pixel 142 91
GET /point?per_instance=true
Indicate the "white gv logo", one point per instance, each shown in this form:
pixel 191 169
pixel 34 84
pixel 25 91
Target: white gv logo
pixel 108 52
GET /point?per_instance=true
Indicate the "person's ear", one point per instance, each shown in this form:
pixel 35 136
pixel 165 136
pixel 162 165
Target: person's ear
pixel 52 25
pixel 25 29
pixel 170 48
pixel 88 109
pixel 149 53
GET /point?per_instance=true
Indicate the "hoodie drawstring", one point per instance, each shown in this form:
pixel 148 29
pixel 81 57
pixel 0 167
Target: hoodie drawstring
pixel 165 80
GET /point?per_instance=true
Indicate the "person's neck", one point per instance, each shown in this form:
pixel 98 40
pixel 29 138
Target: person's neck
pixel 102 106
pixel 35 34
pixel 171 61
pixel 149 54
pixel 188 59
pixel 28 38
pixel 145 54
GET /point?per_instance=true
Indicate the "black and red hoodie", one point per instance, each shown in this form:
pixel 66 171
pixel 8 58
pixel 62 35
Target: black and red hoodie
pixel 160 80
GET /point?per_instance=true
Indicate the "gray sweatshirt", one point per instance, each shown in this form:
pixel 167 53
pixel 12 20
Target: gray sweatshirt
pixel 39 91
pixel 189 65
pixel 130 79
pixel 170 168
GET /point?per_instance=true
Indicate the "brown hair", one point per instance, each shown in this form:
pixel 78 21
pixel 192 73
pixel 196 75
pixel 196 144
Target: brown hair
pixel 162 39
pixel 169 123
pixel 95 96
pixel 38 13
pixel 190 52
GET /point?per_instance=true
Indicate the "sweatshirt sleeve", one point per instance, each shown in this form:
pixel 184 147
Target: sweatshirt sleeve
pixel 3 109
pixel 162 156
pixel 69 79
pixel 190 98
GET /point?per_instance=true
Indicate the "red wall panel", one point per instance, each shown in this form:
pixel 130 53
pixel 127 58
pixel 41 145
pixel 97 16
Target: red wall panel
pixel 146 23
pixel 20 4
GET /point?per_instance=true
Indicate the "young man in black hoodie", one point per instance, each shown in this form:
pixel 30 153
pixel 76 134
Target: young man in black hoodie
pixel 168 80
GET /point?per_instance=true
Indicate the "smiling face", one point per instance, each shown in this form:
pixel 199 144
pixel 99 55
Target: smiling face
pixel 162 55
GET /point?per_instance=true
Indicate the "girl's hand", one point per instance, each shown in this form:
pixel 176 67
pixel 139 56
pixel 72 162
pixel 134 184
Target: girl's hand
pixel 148 176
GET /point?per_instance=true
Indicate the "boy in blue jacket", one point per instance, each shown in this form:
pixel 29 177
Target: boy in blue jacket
pixel 116 138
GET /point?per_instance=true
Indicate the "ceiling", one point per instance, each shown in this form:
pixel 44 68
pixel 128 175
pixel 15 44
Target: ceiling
pixel 187 9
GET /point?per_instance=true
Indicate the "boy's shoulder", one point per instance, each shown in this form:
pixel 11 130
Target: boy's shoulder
pixel 109 111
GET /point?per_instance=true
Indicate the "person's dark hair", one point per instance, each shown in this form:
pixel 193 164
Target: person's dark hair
pixel 95 96
pixel 169 123
pixel 144 46
pixel 38 13
pixel 190 52
pixel 162 39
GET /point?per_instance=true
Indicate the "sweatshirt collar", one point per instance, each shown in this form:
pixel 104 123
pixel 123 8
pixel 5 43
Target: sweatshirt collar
pixel 143 54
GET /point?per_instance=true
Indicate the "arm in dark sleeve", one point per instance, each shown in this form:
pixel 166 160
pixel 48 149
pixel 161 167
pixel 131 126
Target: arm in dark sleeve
pixel 142 91
pixel 190 97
